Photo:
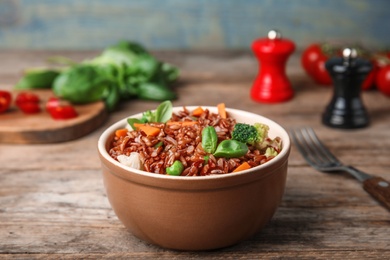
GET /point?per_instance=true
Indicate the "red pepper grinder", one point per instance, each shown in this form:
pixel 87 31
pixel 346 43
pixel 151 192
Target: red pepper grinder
pixel 272 84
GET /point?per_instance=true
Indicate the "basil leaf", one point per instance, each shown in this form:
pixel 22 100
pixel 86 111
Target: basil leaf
pixel 230 149
pixel 164 112
pixel 37 79
pixel 209 139
pixel 131 122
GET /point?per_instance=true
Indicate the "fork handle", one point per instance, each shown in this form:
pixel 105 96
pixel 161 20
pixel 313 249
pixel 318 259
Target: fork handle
pixel 378 188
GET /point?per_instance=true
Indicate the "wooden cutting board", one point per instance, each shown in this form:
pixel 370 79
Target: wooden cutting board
pixel 19 128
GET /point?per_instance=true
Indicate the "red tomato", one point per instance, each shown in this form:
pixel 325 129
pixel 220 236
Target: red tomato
pixel 310 57
pixel 30 107
pixel 24 97
pixel 383 80
pixel 313 61
pixel 369 82
pixel 52 103
pixel 63 112
pixel 59 109
pixel 320 74
pixel 5 100
pixel 28 102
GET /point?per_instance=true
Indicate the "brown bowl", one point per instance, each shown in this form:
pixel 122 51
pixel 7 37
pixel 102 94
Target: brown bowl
pixel 196 213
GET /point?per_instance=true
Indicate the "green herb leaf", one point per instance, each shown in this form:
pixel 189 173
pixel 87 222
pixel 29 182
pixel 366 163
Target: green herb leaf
pixel 230 149
pixel 155 91
pixel 209 139
pixel 131 122
pixel 164 112
pixel 37 78
pixel 82 84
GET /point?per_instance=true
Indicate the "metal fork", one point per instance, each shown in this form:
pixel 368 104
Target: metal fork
pixel 319 157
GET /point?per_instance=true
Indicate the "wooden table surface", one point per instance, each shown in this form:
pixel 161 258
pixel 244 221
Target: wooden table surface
pixel 53 204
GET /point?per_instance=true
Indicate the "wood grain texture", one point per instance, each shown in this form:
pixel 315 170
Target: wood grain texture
pixel 40 128
pixel 378 188
pixel 53 205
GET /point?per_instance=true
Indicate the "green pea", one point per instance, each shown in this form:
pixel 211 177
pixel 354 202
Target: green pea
pixel 175 169
pixel 230 149
pixel 209 139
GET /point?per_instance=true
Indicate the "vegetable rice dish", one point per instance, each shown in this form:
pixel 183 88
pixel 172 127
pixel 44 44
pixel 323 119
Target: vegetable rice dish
pixel 192 143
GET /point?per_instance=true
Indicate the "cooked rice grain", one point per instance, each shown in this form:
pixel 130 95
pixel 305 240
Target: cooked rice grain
pixel 184 143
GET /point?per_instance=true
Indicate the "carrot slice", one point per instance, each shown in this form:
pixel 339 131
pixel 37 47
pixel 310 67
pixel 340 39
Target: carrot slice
pixel 121 132
pixel 147 129
pixel 222 110
pixel 198 111
pixel 182 123
pixel 243 166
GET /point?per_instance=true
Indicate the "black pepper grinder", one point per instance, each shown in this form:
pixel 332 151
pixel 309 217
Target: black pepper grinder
pixel 346 109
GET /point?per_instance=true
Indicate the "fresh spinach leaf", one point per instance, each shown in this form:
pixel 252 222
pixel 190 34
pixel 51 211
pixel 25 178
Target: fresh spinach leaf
pixel 81 84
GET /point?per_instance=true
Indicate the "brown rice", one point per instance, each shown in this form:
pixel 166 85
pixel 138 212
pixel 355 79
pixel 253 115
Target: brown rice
pixel 184 143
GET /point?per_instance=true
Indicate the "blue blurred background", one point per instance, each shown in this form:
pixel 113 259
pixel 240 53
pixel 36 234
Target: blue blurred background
pixel 189 24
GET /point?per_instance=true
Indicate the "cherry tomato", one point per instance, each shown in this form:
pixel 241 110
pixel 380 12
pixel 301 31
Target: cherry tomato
pixel 30 107
pixel 5 100
pixel 320 74
pixel 63 112
pixel 383 80
pixel 369 82
pixel 59 109
pixel 51 103
pixel 28 102
pixel 24 97
pixel 313 61
pixel 309 57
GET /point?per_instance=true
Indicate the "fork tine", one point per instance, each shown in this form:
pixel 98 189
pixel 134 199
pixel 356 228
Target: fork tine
pixel 322 148
pixel 319 157
pixel 312 149
pixel 303 147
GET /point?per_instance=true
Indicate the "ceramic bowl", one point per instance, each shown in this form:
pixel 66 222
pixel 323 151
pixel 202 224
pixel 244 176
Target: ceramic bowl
pixel 196 213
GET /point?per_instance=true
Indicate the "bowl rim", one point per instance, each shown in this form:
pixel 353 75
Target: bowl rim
pixel 109 132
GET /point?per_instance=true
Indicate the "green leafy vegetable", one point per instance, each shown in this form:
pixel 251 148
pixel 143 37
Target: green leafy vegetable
pixel 154 91
pixel 131 122
pixel 82 84
pixel 164 112
pixel 230 149
pixel 161 115
pixel 37 78
pixel 122 71
pixel 209 139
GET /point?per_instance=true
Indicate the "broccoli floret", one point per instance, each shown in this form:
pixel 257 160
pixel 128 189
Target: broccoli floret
pixel 245 133
pixel 270 152
pixel 250 134
pixel 262 131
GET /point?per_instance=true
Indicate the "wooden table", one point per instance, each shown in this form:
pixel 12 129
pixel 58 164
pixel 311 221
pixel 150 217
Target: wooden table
pixel 53 204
